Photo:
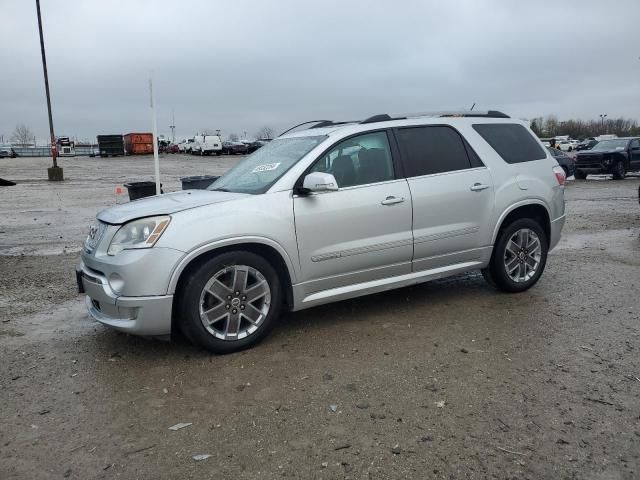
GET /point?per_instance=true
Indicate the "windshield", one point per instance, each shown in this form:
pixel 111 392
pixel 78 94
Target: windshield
pixel 610 145
pixel 256 173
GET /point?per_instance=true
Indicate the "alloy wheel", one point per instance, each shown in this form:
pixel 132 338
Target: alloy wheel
pixel 522 255
pixel 235 302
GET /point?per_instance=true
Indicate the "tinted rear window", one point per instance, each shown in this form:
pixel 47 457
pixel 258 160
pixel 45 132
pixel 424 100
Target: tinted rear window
pixel 513 142
pixel 429 150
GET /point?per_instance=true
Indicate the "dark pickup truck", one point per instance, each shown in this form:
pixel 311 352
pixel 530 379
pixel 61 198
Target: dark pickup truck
pixel 616 156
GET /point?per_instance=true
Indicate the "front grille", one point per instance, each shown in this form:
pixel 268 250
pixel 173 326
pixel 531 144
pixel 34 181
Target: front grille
pixel 589 161
pixel 96 231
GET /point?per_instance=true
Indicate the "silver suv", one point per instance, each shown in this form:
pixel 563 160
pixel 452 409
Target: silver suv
pixel 329 212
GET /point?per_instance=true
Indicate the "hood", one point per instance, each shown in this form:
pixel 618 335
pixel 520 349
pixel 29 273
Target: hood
pixel 601 152
pixel 165 204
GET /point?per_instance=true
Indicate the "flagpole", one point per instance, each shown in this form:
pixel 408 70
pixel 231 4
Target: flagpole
pixel 156 159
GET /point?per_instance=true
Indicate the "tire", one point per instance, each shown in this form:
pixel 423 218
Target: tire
pixel 218 275
pixel 218 153
pixel 520 258
pixel 579 175
pixel 619 171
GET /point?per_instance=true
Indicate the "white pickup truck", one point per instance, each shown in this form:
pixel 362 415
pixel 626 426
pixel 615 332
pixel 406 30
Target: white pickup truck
pixel 184 146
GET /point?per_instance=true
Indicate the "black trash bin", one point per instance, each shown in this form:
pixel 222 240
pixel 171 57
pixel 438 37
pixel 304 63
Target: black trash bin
pixel 199 182
pixel 139 190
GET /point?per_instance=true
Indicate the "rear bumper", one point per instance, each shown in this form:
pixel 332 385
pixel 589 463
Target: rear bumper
pixel 556 231
pixel 149 315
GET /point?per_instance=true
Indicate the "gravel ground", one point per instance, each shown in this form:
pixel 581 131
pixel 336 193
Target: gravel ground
pixel 448 379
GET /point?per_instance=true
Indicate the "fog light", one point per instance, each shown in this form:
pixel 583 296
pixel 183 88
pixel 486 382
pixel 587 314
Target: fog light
pixel 116 282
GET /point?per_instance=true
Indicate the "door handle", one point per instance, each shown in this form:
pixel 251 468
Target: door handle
pixel 478 187
pixel 391 200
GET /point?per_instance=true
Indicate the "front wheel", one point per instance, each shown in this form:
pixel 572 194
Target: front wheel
pixel 230 302
pixel 619 171
pixel 519 256
pixel 579 175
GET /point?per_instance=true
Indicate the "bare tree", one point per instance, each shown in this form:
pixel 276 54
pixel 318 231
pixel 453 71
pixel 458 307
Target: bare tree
pixel 234 137
pixel 265 132
pixel 22 135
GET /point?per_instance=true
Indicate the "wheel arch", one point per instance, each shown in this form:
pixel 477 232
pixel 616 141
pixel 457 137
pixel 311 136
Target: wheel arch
pixel 531 208
pixel 268 249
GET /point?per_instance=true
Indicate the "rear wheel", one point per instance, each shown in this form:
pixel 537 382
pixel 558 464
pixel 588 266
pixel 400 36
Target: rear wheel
pixel 519 256
pixel 619 171
pixel 579 175
pixel 230 302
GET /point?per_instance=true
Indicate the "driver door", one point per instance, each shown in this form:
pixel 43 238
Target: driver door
pixel 362 231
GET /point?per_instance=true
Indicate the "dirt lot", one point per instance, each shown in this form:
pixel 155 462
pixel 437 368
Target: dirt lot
pixel 445 380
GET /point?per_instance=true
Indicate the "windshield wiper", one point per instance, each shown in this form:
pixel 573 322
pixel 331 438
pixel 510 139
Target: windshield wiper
pixel 220 189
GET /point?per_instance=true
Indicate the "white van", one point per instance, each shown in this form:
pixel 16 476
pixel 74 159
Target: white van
pixel 207 144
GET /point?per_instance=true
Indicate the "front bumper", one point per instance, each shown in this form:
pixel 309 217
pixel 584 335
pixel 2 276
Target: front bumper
pixel 150 315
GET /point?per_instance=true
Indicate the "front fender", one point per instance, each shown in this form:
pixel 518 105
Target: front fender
pixel 226 242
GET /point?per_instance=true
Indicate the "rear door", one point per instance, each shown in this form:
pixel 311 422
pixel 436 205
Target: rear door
pixel 362 231
pixel 452 193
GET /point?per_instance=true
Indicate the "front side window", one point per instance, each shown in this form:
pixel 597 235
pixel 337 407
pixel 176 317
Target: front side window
pixel 432 149
pixel 257 172
pixel 358 160
pixel 511 141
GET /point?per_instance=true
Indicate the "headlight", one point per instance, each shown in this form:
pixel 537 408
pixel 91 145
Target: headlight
pixel 143 233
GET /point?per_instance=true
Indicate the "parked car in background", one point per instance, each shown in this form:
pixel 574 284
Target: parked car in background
pixel 564 145
pixel 207 145
pixel 616 156
pixel 233 148
pixel 258 144
pixel 564 160
pixel 326 214
pixel 7 151
pixel 586 144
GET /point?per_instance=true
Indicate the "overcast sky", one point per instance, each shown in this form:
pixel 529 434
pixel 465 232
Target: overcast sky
pixel 238 65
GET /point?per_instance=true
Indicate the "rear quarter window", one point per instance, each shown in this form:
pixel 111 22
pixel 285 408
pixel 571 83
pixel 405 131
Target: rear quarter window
pixel 511 141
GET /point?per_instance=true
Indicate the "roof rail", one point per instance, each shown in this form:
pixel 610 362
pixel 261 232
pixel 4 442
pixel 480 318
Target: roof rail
pixel 460 113
pixel 381 117
pixel 318 124
pixel 304 123
pixel 384 117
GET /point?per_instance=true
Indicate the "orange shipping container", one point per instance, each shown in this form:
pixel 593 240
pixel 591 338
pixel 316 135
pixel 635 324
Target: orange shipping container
pixel 138 143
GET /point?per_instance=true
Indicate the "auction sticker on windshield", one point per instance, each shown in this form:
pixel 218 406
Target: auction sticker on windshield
pixel 267 167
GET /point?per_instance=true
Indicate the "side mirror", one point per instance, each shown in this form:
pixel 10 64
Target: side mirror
pixel 320 182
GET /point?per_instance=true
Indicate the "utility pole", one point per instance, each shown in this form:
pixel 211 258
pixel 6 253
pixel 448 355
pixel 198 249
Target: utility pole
pixel 173 127
pixel 54 172
pixel 602 117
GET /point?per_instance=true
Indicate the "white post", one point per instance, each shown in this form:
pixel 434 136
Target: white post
pixel 156 159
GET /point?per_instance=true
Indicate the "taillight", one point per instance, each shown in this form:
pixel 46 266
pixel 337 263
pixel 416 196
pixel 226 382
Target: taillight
pixel 560 175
